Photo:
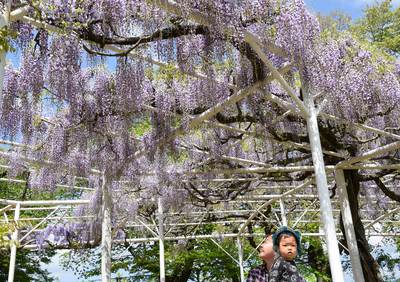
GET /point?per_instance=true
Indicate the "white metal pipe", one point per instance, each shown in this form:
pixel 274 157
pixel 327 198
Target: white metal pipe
pixel 307 147
pixel 240 253
pixel 2 71
pixel 255 44
pixel 37 225
pixel 287 169
pixel 250 170
pixel 44 208
pixel 253 215
pixel 56 218
pixel 106 236
pixel 147 226
pixel 323 191
pixel 44 203
pixel 4 22
pixel 217 236
pixel 161 239
pixel 235 159
pixel 36 162
pixel 207 212
pixel 230 128
pixel 283 212
pixel 14 144
pixel 6 208
pixel 128 225
pixel 370 154
pixel 211 112
pixel 277 219
pixel 14 244
pixel 225 251
pixel 304 212
pixel 379 218
pixel 237 179
pixel 57 185
pixel 349 227
pixel 6 217
pixel 255 249
pixel 362 126
pixel 267 197
pixel 196 223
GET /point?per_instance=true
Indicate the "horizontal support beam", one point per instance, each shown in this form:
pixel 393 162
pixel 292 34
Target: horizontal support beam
pixel 45 203
pixel 361 126
pixel 53 218
pixel 370 154
pixel 289 169
pixel 57 185
pixel 213 236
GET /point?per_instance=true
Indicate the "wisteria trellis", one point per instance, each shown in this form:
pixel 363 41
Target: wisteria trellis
pixel 218 61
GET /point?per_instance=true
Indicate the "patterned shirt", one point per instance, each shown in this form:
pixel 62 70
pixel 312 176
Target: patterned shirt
pixel 281 271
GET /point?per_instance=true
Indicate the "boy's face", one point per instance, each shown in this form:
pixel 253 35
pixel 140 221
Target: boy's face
pixel 266 249
pixel 288 247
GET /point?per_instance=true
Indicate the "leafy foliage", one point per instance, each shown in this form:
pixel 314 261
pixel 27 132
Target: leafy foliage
pixel 381 26
pixel 29 266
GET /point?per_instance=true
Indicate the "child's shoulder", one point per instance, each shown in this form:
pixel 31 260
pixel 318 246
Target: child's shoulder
pixel 285 271
pixel 280 260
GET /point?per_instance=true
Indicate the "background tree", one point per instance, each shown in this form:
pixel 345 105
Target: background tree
pixel 30 263
pixel 380 25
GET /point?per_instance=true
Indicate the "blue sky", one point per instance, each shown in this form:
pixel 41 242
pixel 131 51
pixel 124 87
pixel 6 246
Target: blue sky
pixel 354 8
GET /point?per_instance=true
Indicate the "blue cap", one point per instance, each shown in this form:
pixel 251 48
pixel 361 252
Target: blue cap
pixel 289 231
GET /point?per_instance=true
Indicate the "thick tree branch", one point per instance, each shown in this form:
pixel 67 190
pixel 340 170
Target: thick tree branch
pixel 392 195
pixel 166 33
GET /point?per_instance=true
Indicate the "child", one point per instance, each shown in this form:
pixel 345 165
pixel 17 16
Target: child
pixel 287 243
pixel 274 268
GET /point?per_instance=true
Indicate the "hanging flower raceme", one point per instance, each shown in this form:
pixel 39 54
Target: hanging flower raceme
pixel 296 29
pixel 25 34
pixel 129 80
pixel 32 74
pixel 64 68
pixel 352 79
pixel 9 105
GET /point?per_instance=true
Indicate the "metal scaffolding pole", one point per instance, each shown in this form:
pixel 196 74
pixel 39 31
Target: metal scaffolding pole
pixel 161 239
pixel 4 21
pixel 14 243
pixel 106 239
pixel 240 251
pixel 349 227
pixel 283 212
pixel 323 192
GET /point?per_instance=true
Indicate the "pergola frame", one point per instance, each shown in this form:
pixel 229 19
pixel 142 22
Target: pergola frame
pixel 305 109
pixel 155 229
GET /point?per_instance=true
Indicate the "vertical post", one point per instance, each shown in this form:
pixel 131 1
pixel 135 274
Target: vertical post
pixel 349 227
pixel 240 251
pixel 106 239
pixel 161 239
pixel 323 192
pixel 283 212
pixel 4 21
pixel 2 69
pixel 14 244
